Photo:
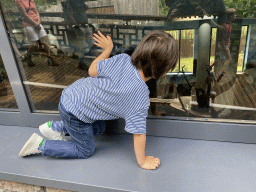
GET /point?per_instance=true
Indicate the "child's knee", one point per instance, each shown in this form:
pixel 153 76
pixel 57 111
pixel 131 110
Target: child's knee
pixel 86 150
pixel 86 153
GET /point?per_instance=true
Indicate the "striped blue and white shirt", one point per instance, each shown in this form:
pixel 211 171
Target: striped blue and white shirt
pixel 116 92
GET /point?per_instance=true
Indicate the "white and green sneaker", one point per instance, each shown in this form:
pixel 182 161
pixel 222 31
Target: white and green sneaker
pixel 32 145
pixel 46 130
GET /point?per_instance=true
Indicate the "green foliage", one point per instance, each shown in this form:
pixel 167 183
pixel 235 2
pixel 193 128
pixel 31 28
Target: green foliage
pixel 163 9
pixel 8 5
pixel 244 8
pixel 44 2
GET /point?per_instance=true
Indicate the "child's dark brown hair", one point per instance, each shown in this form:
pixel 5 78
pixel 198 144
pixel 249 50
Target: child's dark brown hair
pixel 156 54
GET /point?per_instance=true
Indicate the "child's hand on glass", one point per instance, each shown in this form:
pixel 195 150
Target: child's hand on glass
pixel 105 42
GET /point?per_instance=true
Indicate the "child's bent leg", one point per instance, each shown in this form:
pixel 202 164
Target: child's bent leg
pixel 81 147
pixel 66 149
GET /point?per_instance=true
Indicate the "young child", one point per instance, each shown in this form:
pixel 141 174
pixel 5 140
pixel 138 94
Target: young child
pixel 115 89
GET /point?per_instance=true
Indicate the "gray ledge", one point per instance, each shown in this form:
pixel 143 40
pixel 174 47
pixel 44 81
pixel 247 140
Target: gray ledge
pixel 186 165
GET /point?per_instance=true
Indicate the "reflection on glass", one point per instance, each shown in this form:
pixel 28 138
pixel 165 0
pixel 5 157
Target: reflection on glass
pixel 63 50
pixel 186 50
pixel 251 44
pixel 185 8
pixel 176 36
pixel 242 48
pixel 213 45
pixel 7 99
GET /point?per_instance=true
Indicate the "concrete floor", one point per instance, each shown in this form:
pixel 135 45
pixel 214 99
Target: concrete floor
pixel 186 165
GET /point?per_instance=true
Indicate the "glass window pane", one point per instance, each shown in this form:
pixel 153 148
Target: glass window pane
pixel 213 45
pixel 242 49
pixel 176 36
pixel 186 50
pixel 7 99
pixel 216 83
pixel 58 52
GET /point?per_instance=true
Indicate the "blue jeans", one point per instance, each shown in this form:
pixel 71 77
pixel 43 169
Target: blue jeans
pixel 82 146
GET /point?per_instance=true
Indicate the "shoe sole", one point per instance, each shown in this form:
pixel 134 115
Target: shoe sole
pixel 28 144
